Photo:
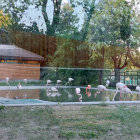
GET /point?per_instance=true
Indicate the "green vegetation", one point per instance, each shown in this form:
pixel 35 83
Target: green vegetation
pixel 29 83
pixel 71 122
pixel 29 123
pixel 103 104
pixel 1 107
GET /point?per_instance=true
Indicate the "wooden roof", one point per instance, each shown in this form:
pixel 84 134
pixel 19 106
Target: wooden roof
pixel 12 52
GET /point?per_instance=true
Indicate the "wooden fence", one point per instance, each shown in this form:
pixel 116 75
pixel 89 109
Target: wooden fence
pixel 47 45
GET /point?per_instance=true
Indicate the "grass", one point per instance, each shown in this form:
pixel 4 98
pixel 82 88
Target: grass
pixel 29 83
pixel 103 104
pixel 70 122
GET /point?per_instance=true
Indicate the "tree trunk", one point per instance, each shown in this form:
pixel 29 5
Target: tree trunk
pixel 102 66
pixel 100 81
pixel 117 75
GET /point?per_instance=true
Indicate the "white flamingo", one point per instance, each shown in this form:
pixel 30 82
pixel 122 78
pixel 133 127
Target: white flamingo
pixel 54 89
pixel 70 95
pixel 48 82
pixel 126 90
pixel 69 80
pixel 138 88
pixel 7 81
pixel 102 87
pixel 123 89
pixel 58 82
pixel 25 81
pixel 19 86
pixel 119 86
pixel 77 90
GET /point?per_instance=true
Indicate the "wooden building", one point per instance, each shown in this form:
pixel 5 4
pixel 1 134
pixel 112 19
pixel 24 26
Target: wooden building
pixel 17 63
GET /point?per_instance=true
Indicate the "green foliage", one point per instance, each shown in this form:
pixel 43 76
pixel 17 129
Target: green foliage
pixel 67 23
pixel 113 27
pixel 67 135
pixel 129 117
pixel 80 76
pixel 88 8
pixel 113 23
pixel 1 107
pixel 103 104
pixel 88 135
pixel 15 12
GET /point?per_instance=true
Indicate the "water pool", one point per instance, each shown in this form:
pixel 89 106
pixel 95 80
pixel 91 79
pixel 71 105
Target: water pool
pixel 67 95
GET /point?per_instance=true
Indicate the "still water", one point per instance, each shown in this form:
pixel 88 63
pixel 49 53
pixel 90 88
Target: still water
pixel 67 95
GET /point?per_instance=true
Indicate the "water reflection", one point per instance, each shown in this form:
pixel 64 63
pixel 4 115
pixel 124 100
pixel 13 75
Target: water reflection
pixel 68 95
pixel 20 94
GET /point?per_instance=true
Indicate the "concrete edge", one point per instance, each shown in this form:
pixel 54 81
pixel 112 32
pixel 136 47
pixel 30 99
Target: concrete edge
pixel 71 103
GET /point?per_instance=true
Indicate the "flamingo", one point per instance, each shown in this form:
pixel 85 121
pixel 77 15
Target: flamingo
pixel 49 81
pixel 102 87
pixel 69 80
pixel 126 90
pixel 77 90
pixel 107 83
pixel 70 95
pixel 120 86
pixel 123 89
pixel 7 81
pixel 138 88
pixel 58 82
pixel 25 81
pixel 88 90
pixel 54 89
pixel 19 86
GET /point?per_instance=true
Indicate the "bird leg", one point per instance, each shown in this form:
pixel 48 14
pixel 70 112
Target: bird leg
pixel 115 95
pixel 120 96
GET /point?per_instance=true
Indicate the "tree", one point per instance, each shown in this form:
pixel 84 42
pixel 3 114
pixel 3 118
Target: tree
pixel 65 54
pixel 111 26
pixel 4 20
pixel 15 11
pixel 67 25
pixel 88 6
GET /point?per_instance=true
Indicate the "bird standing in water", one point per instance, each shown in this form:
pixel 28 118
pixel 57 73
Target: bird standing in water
pixel 19 86
pixel 102 88
pixel 88 90
pixel 69 80
pixel 7 81
pixel 77 90
pixel 58 82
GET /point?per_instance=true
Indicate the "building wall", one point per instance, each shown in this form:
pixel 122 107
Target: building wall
pixel 19 71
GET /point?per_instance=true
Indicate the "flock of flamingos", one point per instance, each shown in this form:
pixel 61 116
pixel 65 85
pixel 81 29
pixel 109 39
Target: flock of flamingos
pixel 100 88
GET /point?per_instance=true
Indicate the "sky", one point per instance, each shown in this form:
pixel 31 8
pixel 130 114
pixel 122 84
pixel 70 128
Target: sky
pixel 34 14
